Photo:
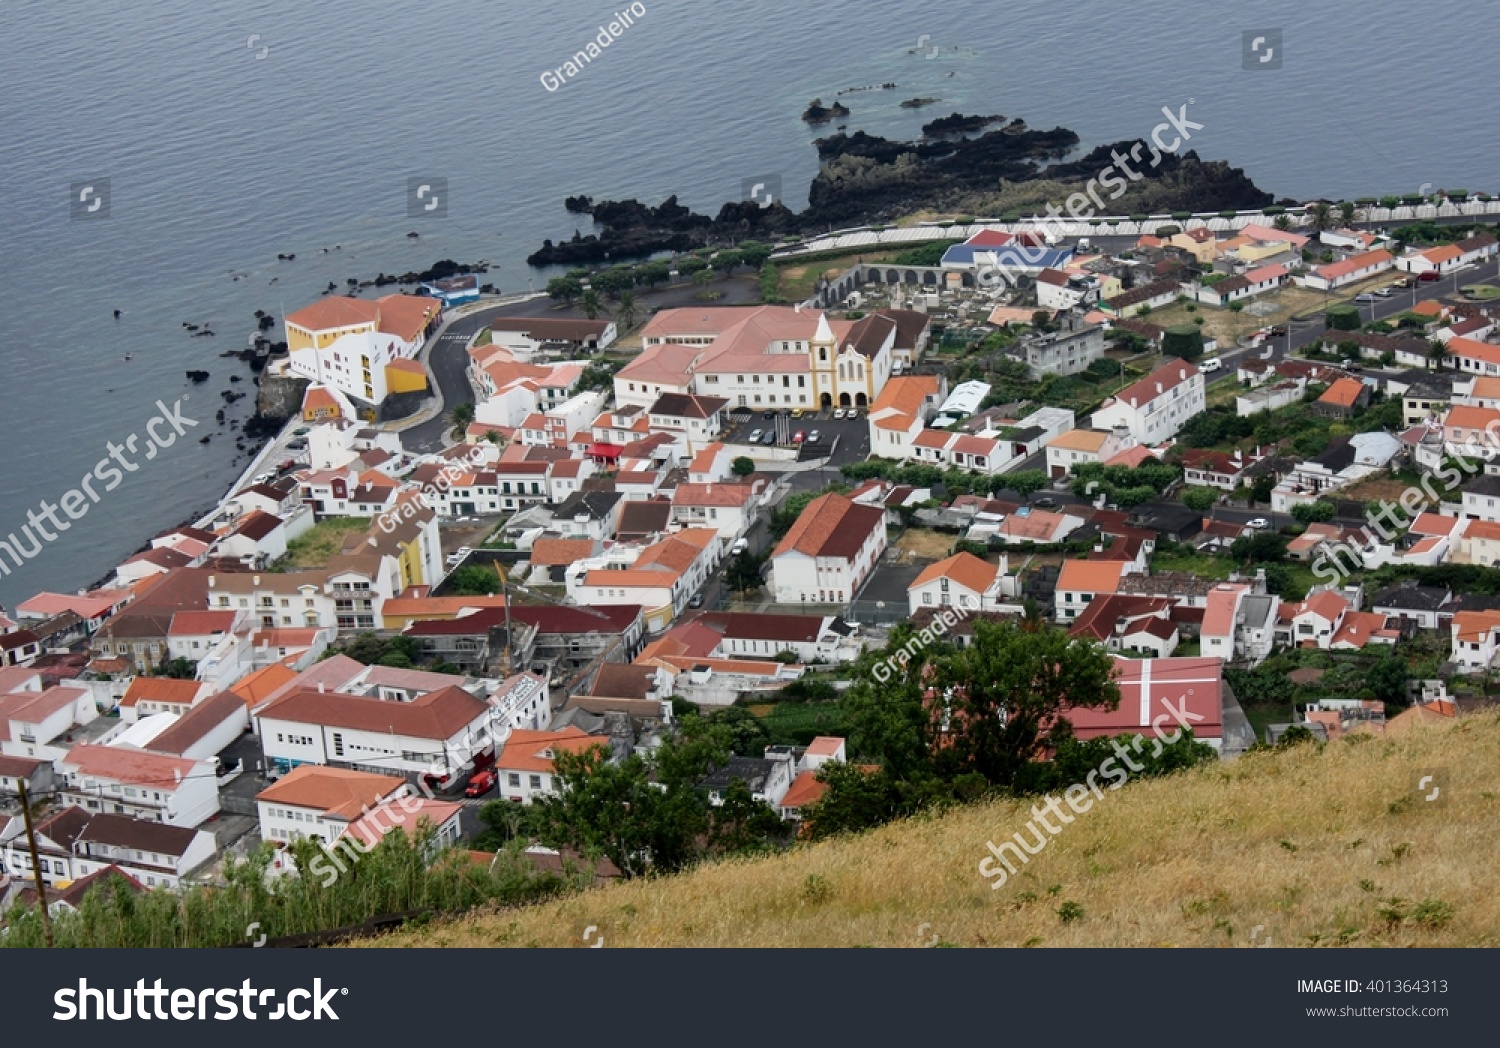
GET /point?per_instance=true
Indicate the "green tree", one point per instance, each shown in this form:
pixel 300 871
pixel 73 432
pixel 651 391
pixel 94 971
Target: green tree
pixel 613 283
pixel 1313 512
pixel 855 799
pixel 704 277
pixel 1386 679
pixel 1322 216
pixel 178 669
pixel 1200 500
pixel 1261 488
pixel 590 304
pixel 744 732
pixel 743 573
pixel 1346 213
pixel 1026 481
pixel 1282 222
pixel 1184 341
pixel 472 580
pixel 462 416
pixel 996 698
pixel 627 311
pixel 742 466
pixel 565 289
pixel 1263 547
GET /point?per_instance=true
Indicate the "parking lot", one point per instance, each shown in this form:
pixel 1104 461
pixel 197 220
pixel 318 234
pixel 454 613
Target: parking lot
pixel 818 430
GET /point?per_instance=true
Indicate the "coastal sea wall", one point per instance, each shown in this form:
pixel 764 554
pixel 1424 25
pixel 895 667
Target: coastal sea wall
pixel 1118 225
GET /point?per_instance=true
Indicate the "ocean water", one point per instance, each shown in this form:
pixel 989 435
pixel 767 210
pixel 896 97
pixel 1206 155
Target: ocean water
pixel 231 132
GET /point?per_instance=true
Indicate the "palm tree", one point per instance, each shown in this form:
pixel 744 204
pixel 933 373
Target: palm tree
pixel 1346 213
pixel 1437 354
pixel 462 415
pixel 625 312
pixel 589 303
pixel 1322 216
pixel 1283 222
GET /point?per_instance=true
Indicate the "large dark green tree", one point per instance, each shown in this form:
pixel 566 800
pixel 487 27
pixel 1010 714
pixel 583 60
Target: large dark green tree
pixel 995 700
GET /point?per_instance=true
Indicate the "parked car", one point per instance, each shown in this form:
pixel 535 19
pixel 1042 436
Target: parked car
pixel 1384 292
pixel 1210 364
pixel 754 437
pixel 769 438
pixel 1044 502
pixel 797 412
pixel 296 445
pixel 697 601
pixel 798 437
pixel 482 782
pixel 740 546
pixel 838 413
pixel 1259 524
pixel 1431 274
pixel 1278 330
pixel 768 414
pixel 812 438
pixel 456 557
pixel 1364 298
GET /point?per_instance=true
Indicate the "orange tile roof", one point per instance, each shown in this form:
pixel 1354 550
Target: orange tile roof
pixel 118 764
pixel 1326 604
pixel 805 790
pixel 525 750
pixel 1080 440
pixel 560 551
pixel 1442 253
pixel 162 689
pixel 1090 576
pixel 332 791
pixel 1353 264
pixel 831 526
pixel 1344 392
pixel 1472 349
pixel 257 686
pixel 1484 530
pixel 964 568
pixel 1465 416
pixel 1475 625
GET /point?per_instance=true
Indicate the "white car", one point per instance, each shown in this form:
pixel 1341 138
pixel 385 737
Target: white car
pixel 1210 364
pixel 754 437
pixel 838 413
pixel 456 557
pixel 1259 524
pixel 740 546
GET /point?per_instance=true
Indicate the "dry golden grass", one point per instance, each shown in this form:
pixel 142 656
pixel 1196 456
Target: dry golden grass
pixel 925 544
pixel 1301 847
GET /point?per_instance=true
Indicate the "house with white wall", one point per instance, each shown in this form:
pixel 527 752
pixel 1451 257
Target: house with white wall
pixel 829 552
pixel 1153 409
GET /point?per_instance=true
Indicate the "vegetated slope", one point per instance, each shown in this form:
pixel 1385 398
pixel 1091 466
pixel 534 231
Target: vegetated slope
pixel 1299 847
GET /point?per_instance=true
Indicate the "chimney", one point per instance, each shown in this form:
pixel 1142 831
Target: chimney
pixel 322 687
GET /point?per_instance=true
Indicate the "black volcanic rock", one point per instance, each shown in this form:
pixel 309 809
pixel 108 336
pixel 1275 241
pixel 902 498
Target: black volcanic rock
pixel 864 178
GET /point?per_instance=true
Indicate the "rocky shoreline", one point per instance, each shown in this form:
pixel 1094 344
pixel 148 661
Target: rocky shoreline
pixel 960 164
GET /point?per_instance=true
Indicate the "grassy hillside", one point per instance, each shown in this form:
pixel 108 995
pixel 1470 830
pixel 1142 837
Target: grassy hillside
pixel 1301 847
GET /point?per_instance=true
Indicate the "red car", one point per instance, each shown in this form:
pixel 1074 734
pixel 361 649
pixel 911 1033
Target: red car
pixel 1431 274
pixel 482 782
pixel 798 437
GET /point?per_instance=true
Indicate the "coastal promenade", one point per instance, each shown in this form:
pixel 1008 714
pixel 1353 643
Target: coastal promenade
pixel 873 237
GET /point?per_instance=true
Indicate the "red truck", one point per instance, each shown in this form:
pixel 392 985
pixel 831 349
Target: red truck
pixel 482 782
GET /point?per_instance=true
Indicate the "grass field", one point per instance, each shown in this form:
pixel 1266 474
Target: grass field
pixel 1312 846
pixel 315 547
pixel 798 723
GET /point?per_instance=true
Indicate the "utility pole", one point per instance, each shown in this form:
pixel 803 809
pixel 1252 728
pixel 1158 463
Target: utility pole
pixel 36 865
